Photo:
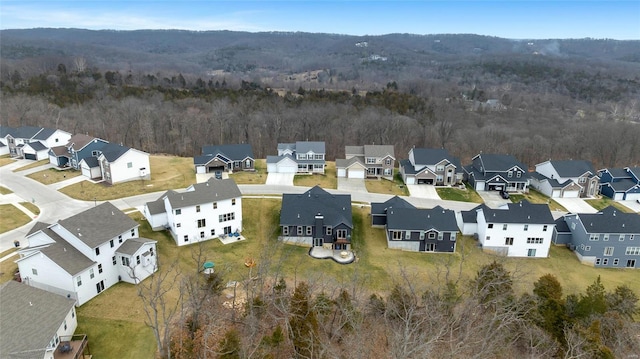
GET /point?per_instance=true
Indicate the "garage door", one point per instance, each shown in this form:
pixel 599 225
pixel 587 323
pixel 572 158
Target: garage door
pixel 355 173
pixel 341 172
pixel 86 172
pixel 618 196
pixel 571 194
pixel 29 156
pixel 287 169
pixel 410 180
pixel 480 186
pixel 633 196
pixel 425 181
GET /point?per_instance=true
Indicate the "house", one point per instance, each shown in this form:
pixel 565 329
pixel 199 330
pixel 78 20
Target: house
pixel 78 147
pixel 120 163
pixel 566 179
pixel 608 239
pixel 317 218
pixel 497 172
pixel 85 254
pixel 90 168
pixel 36 323
pixel 17 138
pixel 226 158
pixel 421 230
pixel 434 166
pixel 379 210
pixel 367 161
pixel 35 151
pixel 516 229
pixel 299 157
pixel 203 211
pixel 620 183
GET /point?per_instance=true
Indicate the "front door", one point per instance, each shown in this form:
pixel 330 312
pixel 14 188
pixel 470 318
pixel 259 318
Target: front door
pixel 317 242
pixel 430 247
pixel 100 286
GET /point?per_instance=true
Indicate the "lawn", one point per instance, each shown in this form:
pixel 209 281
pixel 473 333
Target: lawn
pixel 5 160
pixel 467 194
pixel 536 197
pixel 328 180
pixel 52 175
pixel 167 172
pixel 395 187
pixel 604 202
pixel 31 165
pixel 4 190
pixel 259 176
pixel 8 267
pixel 31 207
pixel 11 218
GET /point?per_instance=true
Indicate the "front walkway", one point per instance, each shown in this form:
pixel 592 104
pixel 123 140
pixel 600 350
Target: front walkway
pixel 342 257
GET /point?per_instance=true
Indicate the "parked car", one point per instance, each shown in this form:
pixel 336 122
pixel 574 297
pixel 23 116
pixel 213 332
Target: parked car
pixel 504 194
pixel 218 174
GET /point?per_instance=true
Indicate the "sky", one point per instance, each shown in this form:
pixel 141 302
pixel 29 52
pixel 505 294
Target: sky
pixel 513 19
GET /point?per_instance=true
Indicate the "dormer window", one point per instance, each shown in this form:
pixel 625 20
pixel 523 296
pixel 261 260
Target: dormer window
pixel 510 174
pixel 518 174
pixel 439 168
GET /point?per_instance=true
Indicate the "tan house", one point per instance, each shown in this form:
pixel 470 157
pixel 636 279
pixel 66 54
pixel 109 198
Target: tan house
pixel 367 161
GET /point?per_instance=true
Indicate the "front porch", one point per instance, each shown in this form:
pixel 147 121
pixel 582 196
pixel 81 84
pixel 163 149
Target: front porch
pixel 339 256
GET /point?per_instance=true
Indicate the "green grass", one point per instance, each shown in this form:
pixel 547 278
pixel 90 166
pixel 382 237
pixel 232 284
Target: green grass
pixel 8 267
pixel 456 194
pixel 31 207
pixel 326 180
pixel 126 339
pixel 31 165
pixel 4 190
pixel 395 187
pixel 604 202
pixel 11 218
pixel 167 172
pixel 5 160
pixel 52 175
pixel 259 176
pixel 536 197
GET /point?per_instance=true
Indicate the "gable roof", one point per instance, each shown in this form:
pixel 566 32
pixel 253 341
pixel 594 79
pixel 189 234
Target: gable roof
pixel 298 209
pixel 26 132
pixel 343 163
pixel 393 202
pixel 635 171
pixel 59 151
pixel 572 168
pixel 45 133
pixel 131 245
pixel 552 181
pixel 522 212
pixel 499 162
pixel 208 192
pixel 98 224
pixel 37 146
pixel 617 172
pixel 432 156
pixel 379 151
pixel 354 150
pixel 39 226
pixel 310 146
pixel 157 206
pixel 471 216
pixel 113 151
pixel 610 220
pixel 65 255
pixel 234 152
pixel 436 218
pixel 623 185
pixel 91 161
pixel 562 226
pixel 79 141
pixel 30 319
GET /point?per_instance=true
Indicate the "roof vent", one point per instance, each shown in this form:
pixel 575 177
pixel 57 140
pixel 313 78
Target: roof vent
pixel 528 217
pixel 64 249
pixel 30 304
pixel 614 213
pixel 298 215
pixel 623 225
pixel 182 197
pixel 428 216
pixel 113 214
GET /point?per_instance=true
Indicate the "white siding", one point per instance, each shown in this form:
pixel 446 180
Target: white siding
pixel 520 247
pixel 341 172
pixel 127 167
pixel 355 173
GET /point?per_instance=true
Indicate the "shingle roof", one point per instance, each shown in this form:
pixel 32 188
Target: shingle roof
pixel 309 146
pixel 131 245
pixel 39 226
pixel 378 151
pixel 234 152
pixel 621 185
pixel 157 206
pixel 60 151
pixel 635 171
pixel 499 162
pixel 37 145
pixel 113 151
pixel 30 319
pixel 98 224
pixel 342 163
pixel 393 202
pixel 78 141
pixel 354 150
pixel 299 209
pixel 432 156
pixel 208 192
pixel 25 132
pixel 471 216
pixel 552 181
pixel 610 220
pixel 522 212
pixel 91 161
pixel 4 131
pixel 437 218
pixel 618 172
pixel 572 168
pixel 561 226
pixel 65 255
pixel 45 133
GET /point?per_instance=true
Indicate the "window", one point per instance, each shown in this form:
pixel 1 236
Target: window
pixel 309 229
pixel 178 225
pixel 371 160
pixel 526 227
pixel 531 252
pixel 91 274
pixel 587 248
pixel 508 241
pixel 440 236
pixel 582 180
pixel 487 238
pixel 138 259
pixel 65 324
pixel 178 212
pixel 79 280
pixel 608 251
pixel 133 232
pixel 432 235
pixel 631 237
pixel 535 240
pixel 201 235
pixel 421 235
pixel 396 235
pixel 186 238
pixel 605 261
pixel 285 230
pixel 213 232
pixel 318 157
pixel 151 251
pixel 594 237
pixel 329 229
pixel 633 251
pixel 99 268
pixel 34 271
pixel 95 153
pixel 202 223
pixel 97 251
pixel 387 161
pixel 125 261
pixel 453 237
pixel 616 261
pixel 197 209
pixel 510 174
pixel 439 168
pixel 299 230
pixel 341 233
pixel 120 239
pixel 598 261
pixel 605 237
pixel 387 171
pixel 621 239
pixel 573 225
pixel 518 174
pixel 544 228
pixel 247 163
pixel 490 225
pixel 113 260
pixel 233 201
pixel 504 227
pixel 226 217
pixel 129 164
pixel 215 205
pixel 111 243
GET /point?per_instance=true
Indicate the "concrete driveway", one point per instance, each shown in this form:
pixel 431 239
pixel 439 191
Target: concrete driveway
pixel 280 179
pixel 575 205
pixel 632 205
pixel 351 185
pixel 423 191
pixel 493 199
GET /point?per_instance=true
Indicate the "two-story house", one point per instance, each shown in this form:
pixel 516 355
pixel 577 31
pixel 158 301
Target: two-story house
pixel 379 210
pixel 226 158
pixel 120 163
pixel 85 254
pixel 609 238
pixel 433 166
pixel 30 142
pixel 421 230
pixel 203 211
pixel 515 230
pixel 566 179
pixel 367 161
pixel 497 172
pixel 77 148
pixel 317 218
pixel 299 157
pixel 620 183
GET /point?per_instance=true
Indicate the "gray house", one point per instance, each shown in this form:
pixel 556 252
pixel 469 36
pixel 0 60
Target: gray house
pixel 317 218
pixel 227 158
pixel 496 172
pixel 421 230
pixel 299 157
pixel 434 166
pixel 367 161
pixel 379 210
pixel 609 238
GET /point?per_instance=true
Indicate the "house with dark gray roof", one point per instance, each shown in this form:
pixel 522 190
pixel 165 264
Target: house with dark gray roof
pixel 120 163
pixel 226 158
pixel 620 183
pixel 300 157
pixel 497 172
pixel 379 210
pixel 367 161
pixel 607 239
pixel 515 230
pixel 421 230
pixel 566 179
pixel 317 218
pixel 35 140
pixel 212 209
pixel 85 254
pixel 35 323
pixel 77 148
pixel 434 166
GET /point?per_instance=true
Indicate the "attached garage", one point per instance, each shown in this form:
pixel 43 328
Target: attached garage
pixel 30 156
pixel 341 172
pixel 410 180
pixel 618 196
pixel 632 196
pixel 355 173
pixel 571 194
pixel 425 180
pixel 480 186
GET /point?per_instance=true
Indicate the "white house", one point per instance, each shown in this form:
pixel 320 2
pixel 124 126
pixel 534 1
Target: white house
pixel 85 254
pixel 299 157
pixel 90 168
pixel 121 164
pixel 515 230
pixel 35 150
pixel 565 179
pixel 41 137
pixel 34 322
pixel 202 212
